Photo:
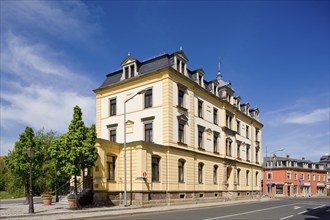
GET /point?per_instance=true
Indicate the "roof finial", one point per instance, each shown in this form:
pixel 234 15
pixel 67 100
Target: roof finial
pixel 219 66
pixel 129 54
pixel 180 48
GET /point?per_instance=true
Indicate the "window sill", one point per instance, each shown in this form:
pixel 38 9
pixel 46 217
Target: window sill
pixel 202 149
pixel 181 182
pixel 155 181
pixel 111 181
pixel 216 152
pixel 182 108
pixel 181 143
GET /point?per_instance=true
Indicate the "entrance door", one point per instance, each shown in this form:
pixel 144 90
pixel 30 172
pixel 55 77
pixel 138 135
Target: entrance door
pixel 289 190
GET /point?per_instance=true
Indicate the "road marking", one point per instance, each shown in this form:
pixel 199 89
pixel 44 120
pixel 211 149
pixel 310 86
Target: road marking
pixel 286 217
pixel 296 207
pixel 244 213
pixel 300 213
pixel 318 207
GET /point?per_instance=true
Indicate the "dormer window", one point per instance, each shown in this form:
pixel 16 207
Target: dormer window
pixel 129 71
pixel 180 66
pixel 200 80
pixel 130 67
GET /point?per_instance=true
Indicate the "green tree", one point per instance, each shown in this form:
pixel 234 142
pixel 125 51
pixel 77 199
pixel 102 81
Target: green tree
pixel 3 175
pixel 18 162
pixel 75 150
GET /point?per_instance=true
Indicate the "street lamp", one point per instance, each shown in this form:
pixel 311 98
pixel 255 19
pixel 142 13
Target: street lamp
pixel 30 153
pixel 270 169
pixel 125 179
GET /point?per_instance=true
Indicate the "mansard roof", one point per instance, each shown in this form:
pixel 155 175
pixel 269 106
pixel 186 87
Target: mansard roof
pixel 168 60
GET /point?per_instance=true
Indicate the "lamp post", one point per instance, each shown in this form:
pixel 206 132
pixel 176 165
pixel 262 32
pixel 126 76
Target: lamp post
pixel 270 169
pixel 125 169
pixel 30 153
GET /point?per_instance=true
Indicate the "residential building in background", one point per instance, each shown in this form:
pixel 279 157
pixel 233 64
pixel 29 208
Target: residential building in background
pixel 187 139
pixel 325 160
pixel 288 177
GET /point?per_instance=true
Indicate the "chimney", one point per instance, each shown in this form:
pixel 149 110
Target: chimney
pixel 287 156
pixel 303 158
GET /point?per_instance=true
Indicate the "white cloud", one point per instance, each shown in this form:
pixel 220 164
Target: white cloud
pixel 317 115
pixel 65 19
pixel 38 90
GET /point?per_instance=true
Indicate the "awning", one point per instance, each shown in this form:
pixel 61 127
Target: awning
pixel 321 184
pixel 305 184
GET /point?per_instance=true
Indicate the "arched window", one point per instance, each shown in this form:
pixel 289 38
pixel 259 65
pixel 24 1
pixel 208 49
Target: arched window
pixel 155 162
pixel 200 172
pixel 238 176
pixel 257 178
pixel 215 174
pixel 181 164
pixel 247 177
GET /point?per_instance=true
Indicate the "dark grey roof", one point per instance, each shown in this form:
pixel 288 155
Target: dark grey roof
pixel 112 78
pixel 156 64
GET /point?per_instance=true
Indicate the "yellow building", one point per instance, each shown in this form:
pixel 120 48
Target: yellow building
pixel 187 139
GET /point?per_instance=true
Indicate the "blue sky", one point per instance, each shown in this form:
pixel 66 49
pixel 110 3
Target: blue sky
pixel 275 53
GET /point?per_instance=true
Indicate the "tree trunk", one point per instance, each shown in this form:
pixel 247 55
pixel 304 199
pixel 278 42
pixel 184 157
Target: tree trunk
pixel 75 191
pixel 56 193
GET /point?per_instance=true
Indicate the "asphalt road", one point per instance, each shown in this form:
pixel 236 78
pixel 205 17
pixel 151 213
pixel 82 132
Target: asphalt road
pixel 302 208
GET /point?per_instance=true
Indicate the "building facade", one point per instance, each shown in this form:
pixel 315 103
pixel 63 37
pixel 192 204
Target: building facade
pixel 287 177
pixel 325 160
pixel 187 139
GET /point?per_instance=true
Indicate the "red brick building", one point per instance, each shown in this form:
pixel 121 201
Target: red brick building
pixel 287 177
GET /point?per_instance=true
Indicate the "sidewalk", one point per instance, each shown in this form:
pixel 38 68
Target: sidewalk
pixel 61 211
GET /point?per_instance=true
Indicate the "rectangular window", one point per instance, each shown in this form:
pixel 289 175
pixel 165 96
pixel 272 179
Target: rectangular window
pixel 200 137
pixel 126 72
pixel 257 134
pixel 308 177
pixel 111 162
pixel 113 107
pixel 228 147
pixel 296 176
pixel 288 175
pixel 215 174
pixel 279 189
pixel 215 142
pixel 200 108
pixel 238 150
pixel 302 176
pixel 247 152
pixel 269 176
pixel 132 70
pixel 229 121
pixel 148 98
pixel 181 170
pixel 215 116
pixel 148 132
pixel 257 154
pixel 155 169
pixel 113 135
pixel 247 132
pixel 238 128
pixel 181 132
pixel 181 97
pixel 200 172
